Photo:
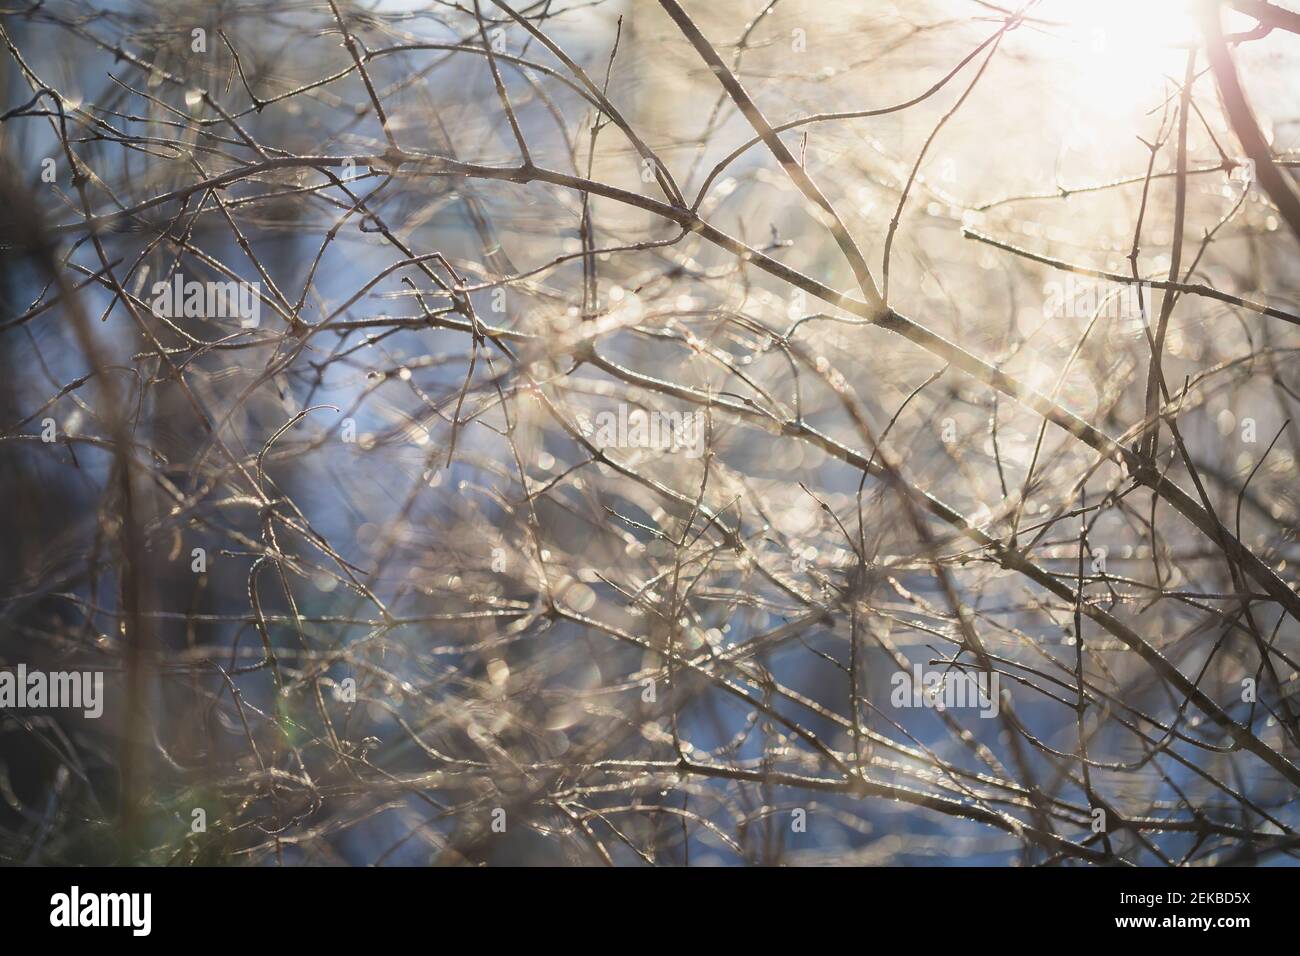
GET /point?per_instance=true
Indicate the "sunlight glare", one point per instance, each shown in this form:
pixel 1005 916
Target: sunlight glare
pixel 1123 48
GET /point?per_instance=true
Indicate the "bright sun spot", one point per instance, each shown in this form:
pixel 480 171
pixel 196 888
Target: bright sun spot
pixel 1122 48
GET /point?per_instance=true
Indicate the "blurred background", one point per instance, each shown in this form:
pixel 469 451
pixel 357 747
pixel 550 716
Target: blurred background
pixel 364 585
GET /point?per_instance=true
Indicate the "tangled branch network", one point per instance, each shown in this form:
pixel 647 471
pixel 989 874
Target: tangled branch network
pixel 649 432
